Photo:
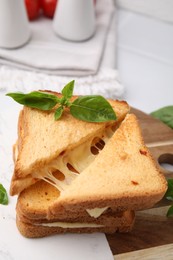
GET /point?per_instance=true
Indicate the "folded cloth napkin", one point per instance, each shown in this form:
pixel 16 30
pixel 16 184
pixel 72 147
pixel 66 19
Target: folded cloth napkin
pixel 160 9
pixel 105 82
pixel 46 52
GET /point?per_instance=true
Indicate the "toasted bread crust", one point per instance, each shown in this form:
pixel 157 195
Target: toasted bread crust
pixel 131 177
pixel 33 204
pixel 111 224
pixel 107 218
pixel 41 139
pixel 31 231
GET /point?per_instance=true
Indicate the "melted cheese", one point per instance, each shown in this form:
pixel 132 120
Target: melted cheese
pixel 97 212
pixel 79 158
pixel 70 225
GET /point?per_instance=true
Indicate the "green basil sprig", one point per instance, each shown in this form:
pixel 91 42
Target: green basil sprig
pixel 165 114
pixel 92 108
pixel 169 196
pixel 3 195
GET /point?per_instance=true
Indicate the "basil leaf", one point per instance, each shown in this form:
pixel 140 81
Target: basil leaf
pixel 58 113
pixel 3 195
pixel 170 212
pixel 164 114
pixel 169 192
pixel 92 109
pixel 67 91
pixel 36 99
pixel 87 108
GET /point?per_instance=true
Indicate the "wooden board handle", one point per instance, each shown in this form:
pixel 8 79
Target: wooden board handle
pixel 163 154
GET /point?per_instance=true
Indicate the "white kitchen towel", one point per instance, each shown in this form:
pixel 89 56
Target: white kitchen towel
pixel 48 53
pixel 105 82
pixel 160 9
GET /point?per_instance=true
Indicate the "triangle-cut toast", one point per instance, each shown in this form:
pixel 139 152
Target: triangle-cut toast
pixel 41 140
pixel 123 176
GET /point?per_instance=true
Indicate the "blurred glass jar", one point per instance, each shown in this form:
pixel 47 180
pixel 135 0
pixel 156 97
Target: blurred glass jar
pixel 14 25
pixel 74 20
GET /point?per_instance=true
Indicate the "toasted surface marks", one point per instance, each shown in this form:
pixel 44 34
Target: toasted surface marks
pixel 123 175
pixel 41 139
pixel 107 224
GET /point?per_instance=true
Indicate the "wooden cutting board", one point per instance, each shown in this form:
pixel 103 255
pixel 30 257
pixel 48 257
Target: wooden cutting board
pixel 152 228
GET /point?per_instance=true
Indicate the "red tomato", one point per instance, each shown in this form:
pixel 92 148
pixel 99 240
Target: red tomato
pixel 32 8
pixel 48 7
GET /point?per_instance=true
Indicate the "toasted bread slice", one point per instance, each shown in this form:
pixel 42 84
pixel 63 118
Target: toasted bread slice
pixel 41 140
pixel 33 204
pixel 107 224
pixel 123 176
pixel 32 221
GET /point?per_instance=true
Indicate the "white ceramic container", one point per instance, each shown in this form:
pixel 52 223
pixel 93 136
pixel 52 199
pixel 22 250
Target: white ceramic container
pixel 14 25
pixel 74 19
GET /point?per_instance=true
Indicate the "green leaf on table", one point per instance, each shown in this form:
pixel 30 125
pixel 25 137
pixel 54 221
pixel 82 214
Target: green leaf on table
pixel 92 109
pixel 67 91
pixel 169 196
pixel 170 212
pixel 3 195
pixel 169 192
pixel 36 99
pixel 164 114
